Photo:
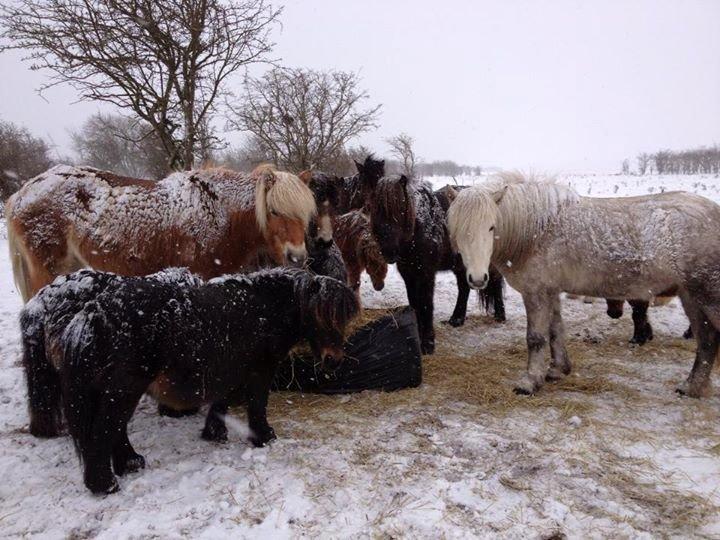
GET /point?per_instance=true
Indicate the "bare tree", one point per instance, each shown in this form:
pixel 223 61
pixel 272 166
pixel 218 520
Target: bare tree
pixel 303 118
pixel 401 146
pixel 120 144
pixel 626 166
pixel 643 161
pixel 22 156
pixel 166 60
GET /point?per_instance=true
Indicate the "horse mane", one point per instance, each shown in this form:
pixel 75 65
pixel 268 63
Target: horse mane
pixel 282 193
pixel 371 168
pixel 525 204
pixel 330 303
pixel 395 197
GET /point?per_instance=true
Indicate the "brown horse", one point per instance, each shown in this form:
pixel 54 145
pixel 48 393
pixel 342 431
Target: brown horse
pixel 359 250
pixel 212 221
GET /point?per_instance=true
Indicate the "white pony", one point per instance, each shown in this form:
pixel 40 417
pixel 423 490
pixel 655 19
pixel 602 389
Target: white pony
pixel 545 239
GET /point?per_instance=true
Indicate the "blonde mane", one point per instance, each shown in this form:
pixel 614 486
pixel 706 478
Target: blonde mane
pixel 527 202
pixel 281 193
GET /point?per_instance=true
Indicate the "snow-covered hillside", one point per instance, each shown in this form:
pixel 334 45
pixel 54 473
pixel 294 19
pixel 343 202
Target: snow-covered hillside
pixel 612 451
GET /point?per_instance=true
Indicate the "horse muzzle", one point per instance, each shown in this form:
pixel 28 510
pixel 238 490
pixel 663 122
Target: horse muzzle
pixel 331 358
pixel 322 243
pixel 295 257
pixel 478 283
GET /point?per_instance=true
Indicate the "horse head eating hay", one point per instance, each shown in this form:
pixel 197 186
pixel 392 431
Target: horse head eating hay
pixel 212 221
pixel 546 239
pixel 94 343
pixel 408 222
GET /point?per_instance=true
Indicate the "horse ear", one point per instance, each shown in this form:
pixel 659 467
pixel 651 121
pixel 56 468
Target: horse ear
pixel 306 176
pixel 498 195
pixel 359 167
pixel 404 181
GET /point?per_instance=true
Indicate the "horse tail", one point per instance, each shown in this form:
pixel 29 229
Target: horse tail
pixel 491 298
pixel 79 368
pixel 43 379
pixel 17 256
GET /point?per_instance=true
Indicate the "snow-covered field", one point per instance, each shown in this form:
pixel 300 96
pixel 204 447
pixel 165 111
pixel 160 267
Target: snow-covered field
pixel 610 452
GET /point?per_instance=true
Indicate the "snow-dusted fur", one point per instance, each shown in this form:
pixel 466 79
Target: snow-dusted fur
pixel 108 339
pixel 359 250
pixel 546 239
pixel 408 222
pixel 213 221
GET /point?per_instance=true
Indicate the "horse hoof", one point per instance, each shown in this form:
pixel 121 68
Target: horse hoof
pixel 132 464
pixel 688 334
pixel 45 428
pixel 527 386
pixel 693 390
pixel 214 433
pixel 637 341
pixel 456 321
pixel 554 375
pixel 500 318
pixel 264 439
pixel 104 488
pixel 427 348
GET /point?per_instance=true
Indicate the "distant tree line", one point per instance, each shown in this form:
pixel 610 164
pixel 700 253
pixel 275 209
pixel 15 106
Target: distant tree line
pixel 702 160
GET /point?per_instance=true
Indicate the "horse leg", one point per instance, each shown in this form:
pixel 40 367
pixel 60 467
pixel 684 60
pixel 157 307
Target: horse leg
pixel 105 440
pixel 425 297
pixel 215 428
pixel 124 458
pixel 708 339
pixel 614 307
pixel 258 390
pixel 458 315
pixel 538 307
pixel 560 365
pixel 495 294
pixel 413 288
pixel 643 332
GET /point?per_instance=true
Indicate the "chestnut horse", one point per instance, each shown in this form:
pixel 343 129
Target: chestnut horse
pixel 212 221
pixel 359 250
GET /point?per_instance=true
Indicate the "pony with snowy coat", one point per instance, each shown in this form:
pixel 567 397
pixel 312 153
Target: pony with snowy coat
pixel 212 221
pixel 94 343
pixel 546 239
pixel 407 220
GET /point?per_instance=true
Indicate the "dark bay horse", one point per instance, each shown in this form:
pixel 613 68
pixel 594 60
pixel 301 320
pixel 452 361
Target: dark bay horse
pixel 94 343
pixel 408 221
pixel 212 221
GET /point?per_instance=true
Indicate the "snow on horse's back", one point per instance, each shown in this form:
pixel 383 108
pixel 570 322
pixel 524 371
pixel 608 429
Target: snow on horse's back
pixel 213 221
pixel 547 239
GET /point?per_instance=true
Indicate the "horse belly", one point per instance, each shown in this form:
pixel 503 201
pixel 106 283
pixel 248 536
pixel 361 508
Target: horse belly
pixel 187 392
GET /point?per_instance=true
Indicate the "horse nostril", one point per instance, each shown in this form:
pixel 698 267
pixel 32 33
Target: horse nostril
pixel 485 278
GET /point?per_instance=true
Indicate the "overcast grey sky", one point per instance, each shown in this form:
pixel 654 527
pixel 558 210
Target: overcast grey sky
pixel 549 85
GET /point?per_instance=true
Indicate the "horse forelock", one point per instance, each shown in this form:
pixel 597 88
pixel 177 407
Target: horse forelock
pixel 526 204
pixel 282 193
pixel 330 303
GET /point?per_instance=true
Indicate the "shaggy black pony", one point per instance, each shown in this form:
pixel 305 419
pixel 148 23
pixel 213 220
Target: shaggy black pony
pixel 96 342
pixel 408 221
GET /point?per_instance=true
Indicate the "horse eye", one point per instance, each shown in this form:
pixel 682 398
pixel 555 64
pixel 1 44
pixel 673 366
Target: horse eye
pixel 492 228
pixel 273 213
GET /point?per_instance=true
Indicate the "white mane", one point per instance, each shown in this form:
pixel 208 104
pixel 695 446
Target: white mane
pixel 282 193
pixel 526 204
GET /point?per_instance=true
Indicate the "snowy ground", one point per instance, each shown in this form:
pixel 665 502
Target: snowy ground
pixel 610 452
